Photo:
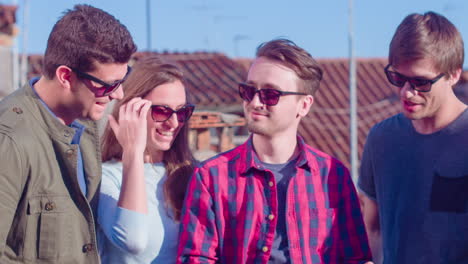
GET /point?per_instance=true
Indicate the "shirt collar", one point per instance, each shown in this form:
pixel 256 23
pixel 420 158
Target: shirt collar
pixel 252 161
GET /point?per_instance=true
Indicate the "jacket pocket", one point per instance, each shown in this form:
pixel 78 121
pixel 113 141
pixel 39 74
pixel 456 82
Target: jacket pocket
pixel 48 230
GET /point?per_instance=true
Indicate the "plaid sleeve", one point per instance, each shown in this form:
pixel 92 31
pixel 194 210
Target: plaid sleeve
pixel 354 246
pixel 198 236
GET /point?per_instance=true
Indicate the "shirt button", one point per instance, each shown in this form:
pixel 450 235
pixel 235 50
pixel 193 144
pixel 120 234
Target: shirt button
pixel 17 110
pixel 70 153
pixel 271 217
pixel 88 247
pixel 270 183
pixel 49 206
pixel 265 249
pixel 67 134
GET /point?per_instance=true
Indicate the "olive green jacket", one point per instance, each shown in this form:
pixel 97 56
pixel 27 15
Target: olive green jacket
pixel 44 216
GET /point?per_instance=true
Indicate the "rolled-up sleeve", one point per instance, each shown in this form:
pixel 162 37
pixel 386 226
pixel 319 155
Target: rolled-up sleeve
pixel 353 241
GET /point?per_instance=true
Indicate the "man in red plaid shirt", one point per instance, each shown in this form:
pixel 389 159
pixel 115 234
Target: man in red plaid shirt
pixel 274 199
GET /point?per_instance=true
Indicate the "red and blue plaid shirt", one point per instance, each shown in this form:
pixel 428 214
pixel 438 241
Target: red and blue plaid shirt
pixel 230 209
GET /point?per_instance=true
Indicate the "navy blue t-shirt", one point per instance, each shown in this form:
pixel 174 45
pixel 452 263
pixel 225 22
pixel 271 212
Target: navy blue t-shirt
pixel 282 173
pixel 420 184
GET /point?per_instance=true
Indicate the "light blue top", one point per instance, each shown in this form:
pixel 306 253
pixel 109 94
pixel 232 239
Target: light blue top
pixel 130 237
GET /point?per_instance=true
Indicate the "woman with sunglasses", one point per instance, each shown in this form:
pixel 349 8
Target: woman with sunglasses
pixel 147 163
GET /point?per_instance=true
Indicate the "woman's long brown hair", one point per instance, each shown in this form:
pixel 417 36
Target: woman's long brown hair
pixel 148 73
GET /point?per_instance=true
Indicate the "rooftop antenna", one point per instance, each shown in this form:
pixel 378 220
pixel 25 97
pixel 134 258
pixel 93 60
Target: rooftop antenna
pixel 24 48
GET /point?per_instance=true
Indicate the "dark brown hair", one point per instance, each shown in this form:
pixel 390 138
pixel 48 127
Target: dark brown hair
pixel 428 36
pixel 84 35
pixel 147 74
pixel 296 58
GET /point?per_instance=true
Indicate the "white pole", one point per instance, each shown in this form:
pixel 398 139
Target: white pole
pixel 15 60
pixel 352 99
pixel 148 25
pixel 24 49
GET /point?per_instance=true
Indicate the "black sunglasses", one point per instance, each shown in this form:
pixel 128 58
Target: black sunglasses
pixel 417 83
pixel 107 88
pixel 267 96
pixel 161 113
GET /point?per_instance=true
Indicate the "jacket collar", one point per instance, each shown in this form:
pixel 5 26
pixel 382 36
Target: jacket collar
pixel 49 122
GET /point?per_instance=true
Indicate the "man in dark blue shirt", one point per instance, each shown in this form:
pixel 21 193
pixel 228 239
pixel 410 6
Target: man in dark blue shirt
pixel 414 174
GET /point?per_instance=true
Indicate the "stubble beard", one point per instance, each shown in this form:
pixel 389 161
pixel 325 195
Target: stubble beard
pixel 421 114
pixel 257 128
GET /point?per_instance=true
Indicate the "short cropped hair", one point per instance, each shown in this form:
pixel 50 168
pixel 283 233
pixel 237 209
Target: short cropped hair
pixel 83 36
pixel 428 36
pixel 295 58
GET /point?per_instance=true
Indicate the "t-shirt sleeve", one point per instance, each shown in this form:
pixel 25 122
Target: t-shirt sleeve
pixel 366 183
pixel 124 228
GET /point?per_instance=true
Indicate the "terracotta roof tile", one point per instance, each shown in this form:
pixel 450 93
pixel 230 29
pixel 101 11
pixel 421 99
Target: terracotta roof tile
pixel 327 125
pixel 211 79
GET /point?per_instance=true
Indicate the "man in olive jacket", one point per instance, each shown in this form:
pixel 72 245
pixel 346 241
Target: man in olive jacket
pixel 50 165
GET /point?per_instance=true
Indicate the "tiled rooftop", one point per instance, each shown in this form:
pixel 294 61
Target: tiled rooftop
pixel 211 79
pixel 212 82
pixel 327 125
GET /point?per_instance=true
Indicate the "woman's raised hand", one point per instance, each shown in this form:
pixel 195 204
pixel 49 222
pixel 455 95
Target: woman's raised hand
pixel 130 129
